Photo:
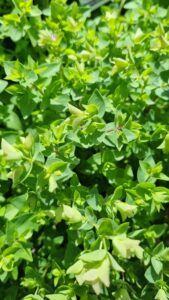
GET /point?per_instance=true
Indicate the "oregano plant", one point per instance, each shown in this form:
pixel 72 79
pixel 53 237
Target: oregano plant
pixel 84 150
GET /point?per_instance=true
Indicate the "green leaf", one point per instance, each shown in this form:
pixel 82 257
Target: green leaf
pixel 19 201
pixel 142 173
pixel 57 297
pixel 71 214
pixel 26 107
pixel 157 265
pixel 119 65
pixel 104 271
pixel 10 152
pixel 76 268
pixel 165 145
pixel 94 256
pixel 33 297
pixel 161 295
pixel 48 70
pixel 151 275
pixel 126 210
pixel 57 9
pixel 115 264
pixel 130 136
pixel 122 294
pixel 126 247
pixel 97 99
pixel 3 85
pixel 7 263
pixel 75 111
pixel 10 212
pixel 84 164
pixel 105 227
pixel 23 253
pixel 158 249
pixel 164 255
pixel 12 121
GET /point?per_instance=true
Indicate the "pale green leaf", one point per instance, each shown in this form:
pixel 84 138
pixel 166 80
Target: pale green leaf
pixel 94 256
pixel 10 152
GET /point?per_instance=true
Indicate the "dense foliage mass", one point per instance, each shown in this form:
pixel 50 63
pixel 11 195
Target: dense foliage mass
pixel 84 157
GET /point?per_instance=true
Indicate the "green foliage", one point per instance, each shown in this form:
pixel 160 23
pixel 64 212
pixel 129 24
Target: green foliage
pixel 84 164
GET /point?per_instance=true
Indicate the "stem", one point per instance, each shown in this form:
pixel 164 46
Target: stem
pixel 105 244
pixel 93 5
pixel 101 245
pixel 97 5
pixel 121 6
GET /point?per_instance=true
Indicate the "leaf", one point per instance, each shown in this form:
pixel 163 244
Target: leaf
pixel 157 265
pixel 161 295
pixel 130 136
pixel 25 223
pixel 75 111
pixel 12 121
pixel 164 255
pixel 3 85
pixel 95 4
pixel 122 294
pixel 10 152
pixel 52 184
pixel 16 72
pixel 97 99
pixel 26 104
pixel 48 70
pixel 118 193
pixel 33 297
pixel 115 264
pixel 131 5
pixel 151 275
pixel 10 212
pixel 158 249
pixel 13 70
pixel 23 253
pixel 90 275
pixel 158 229
pixel 97 287
pixel 126 247
pixel 142 173
pixel 57 297
pixel 119 65
pixel 19 201
pixel 76 268
pixel 56 166
pixel 96 276
pixel 57 9
pixel 104 272
pixel 105 227
pixel 84 164
pixel 94 256
pixel 7 263
pixel 60 101
pixel 165 145
pixel 126 210
pixel 71 214
pixel 123 228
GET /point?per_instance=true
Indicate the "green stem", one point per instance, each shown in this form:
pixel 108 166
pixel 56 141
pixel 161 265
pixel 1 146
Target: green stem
pixel 121 6
pixel 104 244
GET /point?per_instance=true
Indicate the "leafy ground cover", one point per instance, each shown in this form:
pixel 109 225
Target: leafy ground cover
pixel 84 157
